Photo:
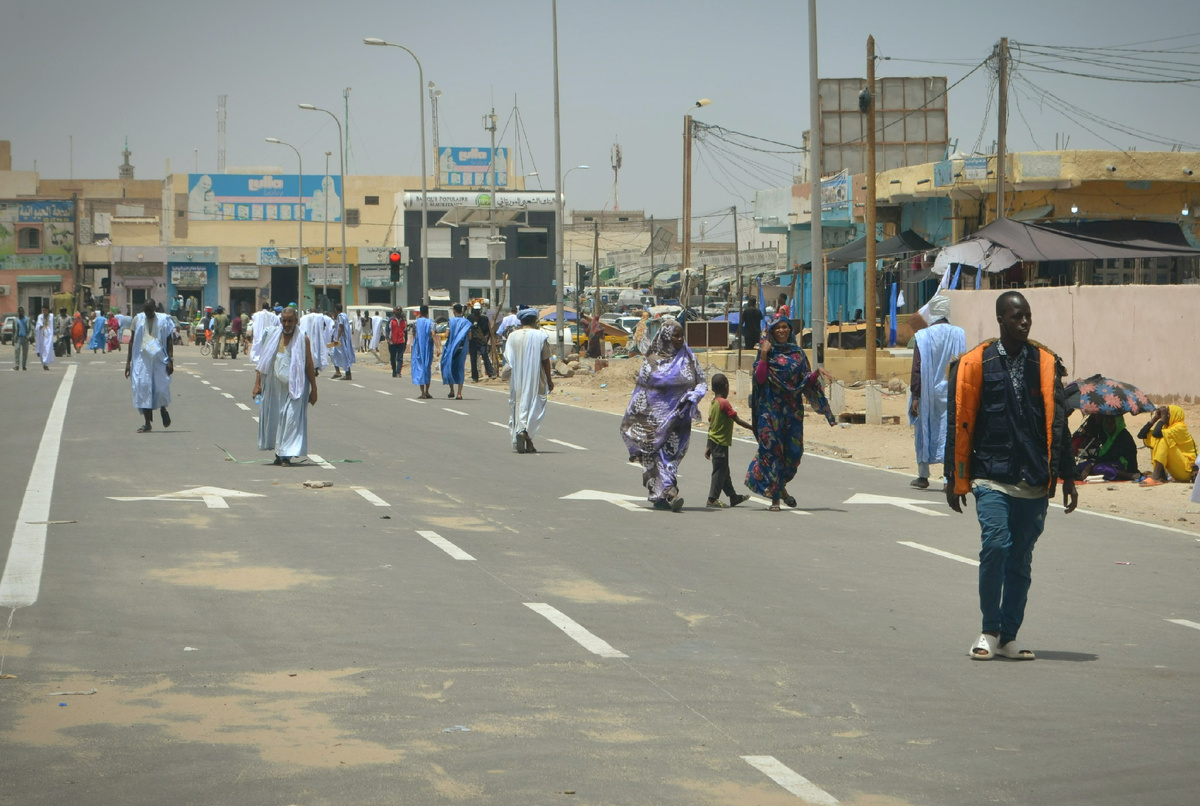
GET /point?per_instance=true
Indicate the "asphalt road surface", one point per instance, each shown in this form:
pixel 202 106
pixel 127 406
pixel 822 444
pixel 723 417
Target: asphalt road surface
pixel 451 622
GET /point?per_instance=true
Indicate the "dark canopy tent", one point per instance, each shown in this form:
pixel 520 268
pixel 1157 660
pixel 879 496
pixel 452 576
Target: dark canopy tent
pixel 906 243
pixel 1040 242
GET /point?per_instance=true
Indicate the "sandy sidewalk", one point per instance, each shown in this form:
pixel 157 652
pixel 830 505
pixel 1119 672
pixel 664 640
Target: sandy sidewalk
pixel 891 446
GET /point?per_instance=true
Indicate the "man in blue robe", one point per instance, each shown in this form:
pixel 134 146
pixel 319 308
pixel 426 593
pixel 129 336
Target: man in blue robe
pixel 343 344
pixel 454 352
pixel 151 363
pixel 936 346
pixel 422 351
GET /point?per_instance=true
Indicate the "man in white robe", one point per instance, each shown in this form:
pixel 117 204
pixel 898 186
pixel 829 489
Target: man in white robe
pixel 312 324
pixel 376 333
pixel 150 364
pixel 43 337
pixel 259 323
pixel 343 344
pixel 936 346
pixel 527 358
pixel 287 380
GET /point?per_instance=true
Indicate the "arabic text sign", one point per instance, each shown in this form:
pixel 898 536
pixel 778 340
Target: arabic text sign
pixel 243 197
pixel 469 166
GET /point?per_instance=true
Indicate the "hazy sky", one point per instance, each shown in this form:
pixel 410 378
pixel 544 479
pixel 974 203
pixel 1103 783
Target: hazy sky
pixel 104 69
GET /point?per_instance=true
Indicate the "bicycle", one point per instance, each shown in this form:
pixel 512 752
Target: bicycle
pixel 206 348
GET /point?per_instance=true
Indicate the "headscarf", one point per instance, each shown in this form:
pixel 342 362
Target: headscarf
pixel 939 308
pixel 1110 439
pixel 297 358
pixel 527 315
pixel 669 388
pixel 789 375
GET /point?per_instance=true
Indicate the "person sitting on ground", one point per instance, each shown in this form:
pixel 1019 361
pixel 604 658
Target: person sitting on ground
pixel 721 418
pixel 1172 449
pixel 1115 457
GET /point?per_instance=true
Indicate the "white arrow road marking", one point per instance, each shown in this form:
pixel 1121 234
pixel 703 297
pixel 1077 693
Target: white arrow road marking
pixel 566 444
pixel 445 545
pixel 456 411
pixel 790 780
pixel 243 407
pixel 911 504
pixel 414 400
pixel 572 628
pixel 1180 621
pixel 213 497
pixel 938 552
pixel 23 570
pixel 370 496
pixel 620 499
pixel 317 460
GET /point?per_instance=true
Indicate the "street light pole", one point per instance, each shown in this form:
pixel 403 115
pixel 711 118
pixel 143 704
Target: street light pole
pixel 342 180
pixel 325 249
pixel 424 170
pixel 558 194
pixel 819 311
pixel 299 219
pixel 687 186
pixel 563 195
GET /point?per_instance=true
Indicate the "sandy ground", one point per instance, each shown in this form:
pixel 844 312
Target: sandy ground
pixel 891 446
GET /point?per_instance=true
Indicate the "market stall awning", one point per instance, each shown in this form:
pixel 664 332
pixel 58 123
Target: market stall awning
pixel 1005 242
pixel 906 243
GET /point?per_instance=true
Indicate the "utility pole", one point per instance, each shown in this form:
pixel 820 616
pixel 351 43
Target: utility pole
pixel 325 249
pixel 558 193
pixel 871 279
pixel 737 268
pixel 1001 125
pixel 687 193
pixel 345 155
pixel 814 178
pixel 594 338
pixel 434 94
pixel 489 123
pixel 651 253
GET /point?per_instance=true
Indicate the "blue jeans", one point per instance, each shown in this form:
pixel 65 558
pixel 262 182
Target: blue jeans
pixel 1010 528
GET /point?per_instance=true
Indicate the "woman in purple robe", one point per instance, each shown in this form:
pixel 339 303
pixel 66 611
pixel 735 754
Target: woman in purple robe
pixel 658 422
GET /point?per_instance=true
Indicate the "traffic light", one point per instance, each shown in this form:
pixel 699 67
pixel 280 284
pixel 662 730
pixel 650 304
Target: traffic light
pixel 394 266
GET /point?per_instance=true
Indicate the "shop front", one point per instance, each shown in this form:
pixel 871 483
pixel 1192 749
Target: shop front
pixel 242 285
pixel 192 276
pixel 138 274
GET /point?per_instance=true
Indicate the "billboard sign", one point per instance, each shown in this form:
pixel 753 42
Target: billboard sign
pixel 975 168
pixel 446 200
pixel 835 194
pixel 244 197
pixel 469 167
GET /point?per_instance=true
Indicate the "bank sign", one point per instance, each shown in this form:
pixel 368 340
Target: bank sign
pixel 266 197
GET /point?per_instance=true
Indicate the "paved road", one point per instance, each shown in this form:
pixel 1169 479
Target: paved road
pixel 452 622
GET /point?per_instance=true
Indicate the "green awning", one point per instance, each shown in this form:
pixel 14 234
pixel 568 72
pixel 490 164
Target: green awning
pixel 40 278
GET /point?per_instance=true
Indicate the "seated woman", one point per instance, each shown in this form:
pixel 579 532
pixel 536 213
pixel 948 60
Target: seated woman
pixel 1172 448
pixel 1115 457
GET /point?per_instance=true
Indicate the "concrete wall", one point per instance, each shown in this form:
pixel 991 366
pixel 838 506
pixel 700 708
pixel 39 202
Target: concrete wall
pixel 1138 334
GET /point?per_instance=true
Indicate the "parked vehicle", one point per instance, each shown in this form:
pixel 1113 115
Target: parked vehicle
pixel 9 328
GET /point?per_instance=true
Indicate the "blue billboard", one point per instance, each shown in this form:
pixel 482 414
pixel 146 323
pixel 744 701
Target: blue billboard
pixel 244 197
pixel 471 167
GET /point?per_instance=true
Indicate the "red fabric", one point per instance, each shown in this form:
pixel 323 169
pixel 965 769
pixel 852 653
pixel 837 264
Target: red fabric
pixel 726 407
pixel 396 334
pixel 760 372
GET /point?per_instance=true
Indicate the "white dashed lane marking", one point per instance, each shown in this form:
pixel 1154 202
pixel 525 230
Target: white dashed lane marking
pixel 445 545
pixel 243 406
pixel 790 780
pixel 1182 622
pixel 938 552
pixel 370 496
pixel 456 411
pixel 414 400
pixel 317 460
pixel 577 632
pixel 566 444
pixel 380 391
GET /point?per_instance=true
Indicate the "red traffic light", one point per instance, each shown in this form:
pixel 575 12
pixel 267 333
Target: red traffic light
pixel 394 259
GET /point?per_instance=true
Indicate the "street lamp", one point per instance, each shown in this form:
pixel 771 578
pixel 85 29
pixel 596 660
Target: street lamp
pixel 299 218
pixel 342 179
pixel 424 156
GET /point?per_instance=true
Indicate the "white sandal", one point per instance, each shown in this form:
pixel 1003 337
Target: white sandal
pixel 988 644
pixel 1015 651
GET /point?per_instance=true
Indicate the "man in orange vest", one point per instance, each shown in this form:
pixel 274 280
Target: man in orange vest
pixel 1008 444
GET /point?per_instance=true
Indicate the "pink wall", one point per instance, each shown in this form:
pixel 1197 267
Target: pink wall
pixel 1141 334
